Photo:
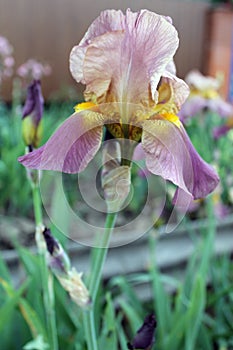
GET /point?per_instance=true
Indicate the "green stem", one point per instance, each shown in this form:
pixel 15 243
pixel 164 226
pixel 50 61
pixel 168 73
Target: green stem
pixel 37 205
pixel 99 256
pixel 46 276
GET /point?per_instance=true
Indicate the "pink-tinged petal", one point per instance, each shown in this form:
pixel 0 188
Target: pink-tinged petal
pixel 156 40
pixel 170 154
pixel 71 147
pixel 171 67
pixel 108 21
pixel 125 60
pixel 139 153
pixel 102 61
pixel 205 177
pixel 77 57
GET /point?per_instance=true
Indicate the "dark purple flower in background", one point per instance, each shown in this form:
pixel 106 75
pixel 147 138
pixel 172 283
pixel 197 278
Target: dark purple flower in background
pixel 220 131
pixel 32 114
pixel 144 338
pixel 223 129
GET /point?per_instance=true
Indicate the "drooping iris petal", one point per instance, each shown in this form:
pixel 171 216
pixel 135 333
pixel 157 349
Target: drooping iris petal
pixel 71 147
pixel 170 154
pixel 124 61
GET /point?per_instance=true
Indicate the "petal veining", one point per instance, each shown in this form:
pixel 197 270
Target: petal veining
pixel 170 154
pixel 71 147
pixel 124 59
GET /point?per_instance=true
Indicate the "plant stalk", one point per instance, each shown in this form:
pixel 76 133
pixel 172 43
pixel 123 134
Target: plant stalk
pixel 46 276
pixel 97 263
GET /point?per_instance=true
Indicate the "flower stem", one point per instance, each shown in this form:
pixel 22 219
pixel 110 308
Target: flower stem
pixel 46 276
pixel 37 205
pixel 98 259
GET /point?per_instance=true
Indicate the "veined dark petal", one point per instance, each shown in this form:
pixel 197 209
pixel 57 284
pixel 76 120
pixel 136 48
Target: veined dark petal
pixel 71 147
pixel 170 154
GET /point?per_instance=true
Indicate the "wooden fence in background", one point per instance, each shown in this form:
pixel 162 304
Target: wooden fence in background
pixel 47 30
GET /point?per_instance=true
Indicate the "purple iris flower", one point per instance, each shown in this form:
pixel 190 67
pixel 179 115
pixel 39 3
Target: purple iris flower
pixel 222 130
pixel 126 63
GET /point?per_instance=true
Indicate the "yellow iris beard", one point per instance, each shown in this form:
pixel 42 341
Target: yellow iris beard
pixel 172 118
pixel 165 115
pixel 84 105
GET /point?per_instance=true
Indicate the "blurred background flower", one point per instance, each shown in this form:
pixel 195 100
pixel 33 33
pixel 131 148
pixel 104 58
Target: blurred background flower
pixel 204 95
pixel 6 59
pixel 33 70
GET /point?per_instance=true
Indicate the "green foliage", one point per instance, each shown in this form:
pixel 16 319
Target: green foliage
pixel 195 316
pixel 15 190
pixel 198 314
pixel 218 152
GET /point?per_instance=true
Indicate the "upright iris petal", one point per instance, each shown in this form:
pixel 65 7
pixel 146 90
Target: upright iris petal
pixel 126 63
pixel 121 55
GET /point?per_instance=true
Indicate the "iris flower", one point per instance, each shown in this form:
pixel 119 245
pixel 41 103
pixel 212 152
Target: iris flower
pixel 126 63
pixel 204 94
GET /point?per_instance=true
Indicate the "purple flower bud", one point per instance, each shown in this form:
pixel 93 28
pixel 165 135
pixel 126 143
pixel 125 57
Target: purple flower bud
pixel 144 338
pixel 34 104
pixel 58 260
pixel 51 242
pixel 32 114
pixel 68 277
